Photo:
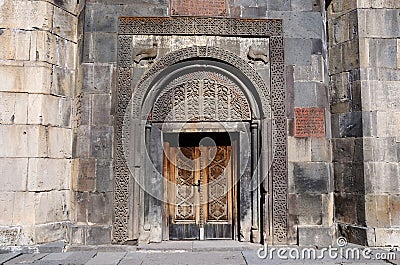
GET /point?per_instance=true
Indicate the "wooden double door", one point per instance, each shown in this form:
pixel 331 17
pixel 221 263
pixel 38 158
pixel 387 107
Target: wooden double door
pixel 200 194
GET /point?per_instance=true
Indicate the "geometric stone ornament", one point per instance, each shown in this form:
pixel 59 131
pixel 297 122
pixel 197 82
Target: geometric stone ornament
pixel 201 96
pixel 272 100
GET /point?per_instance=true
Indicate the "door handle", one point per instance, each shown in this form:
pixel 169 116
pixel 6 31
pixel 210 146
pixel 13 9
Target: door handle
pixel 198 185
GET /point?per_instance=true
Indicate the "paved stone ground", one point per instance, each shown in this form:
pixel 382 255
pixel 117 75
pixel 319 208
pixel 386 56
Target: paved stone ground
pixel 196 253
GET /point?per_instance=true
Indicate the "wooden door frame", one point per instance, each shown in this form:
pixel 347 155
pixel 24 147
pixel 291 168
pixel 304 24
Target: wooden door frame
pixel 234 182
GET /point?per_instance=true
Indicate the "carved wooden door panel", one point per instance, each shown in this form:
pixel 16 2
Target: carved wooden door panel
pixel 200 197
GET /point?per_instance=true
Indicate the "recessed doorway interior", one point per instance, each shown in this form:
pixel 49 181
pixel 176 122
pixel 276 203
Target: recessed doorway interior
pixel 200 191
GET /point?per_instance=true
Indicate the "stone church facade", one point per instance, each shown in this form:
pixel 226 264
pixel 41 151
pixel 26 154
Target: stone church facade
pixel 143 121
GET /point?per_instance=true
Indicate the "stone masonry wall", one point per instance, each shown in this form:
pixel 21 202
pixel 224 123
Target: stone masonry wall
pixel 37 70
pixel 93 138
pixel 309 158
pixel 379 33
pixel 364 69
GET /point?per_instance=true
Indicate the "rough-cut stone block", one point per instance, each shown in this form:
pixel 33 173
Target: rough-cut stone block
pixel 315 236
pixel 320 150
pixel 394 210
pixel 382 177
pixel 84 178
pixel 82 142
pixel 52 206
pixel 341 87
pixel 104 176
pixel 349 177
pixel 383 210
pixel 309 209
pixel 7 41
pixel 64 24
pixel 13 108
pixel 101 108
pixel 23 141
pixel 371 218
pixel 94 207
pixel 337 8
pixel 14 173
pixel 380 149
pixel 398 53
pixel 98 78
pixel 43 109
pixel 307 25
pixel 315 72
pixel 24 208
pixel 303 5
pixel 309 94
pixel 98 235
pixel 379 23
pixel 344 150
pixel 6 200
pixel 46 47
pixel 383 53
pixel 33 78
pixel 48 174
pixel 346 208
pixel 369 123
pixel 43 47
pixel 101 142
pixel 31 15
pixel 15 44
pixel 388 124
pixel 298 51
pixel 51 232
pixel 63 82
pixel 387 237
pixel 345 28
pixel 49 110
pixel 105 47
pixel 254 12
pixel 350 55
pixel 350 124
pixel 299 149
pixel 77 235
pixel 60 142
pixel 311 177
pixel 356 234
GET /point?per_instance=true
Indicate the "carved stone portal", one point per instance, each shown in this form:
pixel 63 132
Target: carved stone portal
pixel 272 104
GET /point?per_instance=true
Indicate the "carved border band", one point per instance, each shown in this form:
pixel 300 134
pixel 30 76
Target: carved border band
pixel 211 26
pixel 273 100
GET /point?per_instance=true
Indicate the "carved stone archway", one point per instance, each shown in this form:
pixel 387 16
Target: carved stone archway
pixel 272 102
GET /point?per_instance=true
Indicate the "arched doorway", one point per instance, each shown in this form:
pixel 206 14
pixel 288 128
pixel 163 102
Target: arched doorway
pixel 201 190
pixel 240 108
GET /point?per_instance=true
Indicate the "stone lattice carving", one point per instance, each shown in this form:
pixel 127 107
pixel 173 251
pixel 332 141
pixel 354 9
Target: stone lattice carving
pixel 272 28
pixel 201 96
pixel 201 52
pixel 210 26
